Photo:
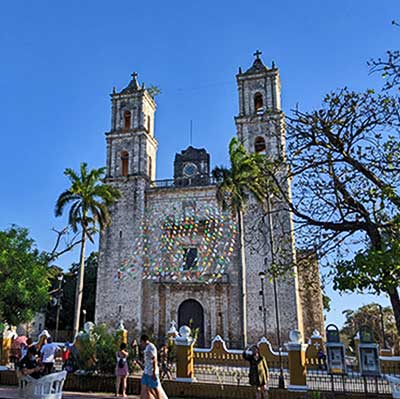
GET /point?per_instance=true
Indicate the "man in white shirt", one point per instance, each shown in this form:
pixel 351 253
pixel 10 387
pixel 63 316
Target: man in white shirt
pixel 47 353
pixel 150 383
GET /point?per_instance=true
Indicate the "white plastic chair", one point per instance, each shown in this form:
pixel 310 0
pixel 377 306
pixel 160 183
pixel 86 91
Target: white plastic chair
pixel 47 387
pixel 394 386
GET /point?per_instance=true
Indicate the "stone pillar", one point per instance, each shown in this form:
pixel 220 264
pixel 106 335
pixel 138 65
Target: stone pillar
pixel 6 339
pixel 184 355
pixel 297 362
pixel 122 332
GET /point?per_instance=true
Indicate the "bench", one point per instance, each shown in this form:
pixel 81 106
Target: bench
pixel 47 387
pixel 394 386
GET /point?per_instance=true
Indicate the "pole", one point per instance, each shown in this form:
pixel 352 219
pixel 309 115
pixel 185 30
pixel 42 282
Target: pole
pixel 262 293
pixel 60 279
pixel 281 383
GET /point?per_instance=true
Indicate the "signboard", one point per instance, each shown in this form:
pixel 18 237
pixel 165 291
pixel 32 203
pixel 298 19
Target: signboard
pixel 335 356
pixel 369 359
pixel 334 351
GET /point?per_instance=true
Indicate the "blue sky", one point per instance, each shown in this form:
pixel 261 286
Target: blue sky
pixel 60 60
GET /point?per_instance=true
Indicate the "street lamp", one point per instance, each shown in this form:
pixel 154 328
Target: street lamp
pixel 262 276
pixel 281 383
pixel 84 316
pixel 60 279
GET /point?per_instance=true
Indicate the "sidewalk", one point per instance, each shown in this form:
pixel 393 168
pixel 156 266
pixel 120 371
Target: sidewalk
pixel 12 393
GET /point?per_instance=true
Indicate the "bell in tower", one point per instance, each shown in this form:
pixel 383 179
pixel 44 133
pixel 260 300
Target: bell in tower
pixel 131 146
pixel 260 120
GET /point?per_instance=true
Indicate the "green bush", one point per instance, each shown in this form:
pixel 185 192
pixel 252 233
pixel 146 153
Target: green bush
pixel 96 350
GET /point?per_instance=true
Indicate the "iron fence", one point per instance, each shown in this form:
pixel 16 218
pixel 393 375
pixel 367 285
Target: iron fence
pixel 317 380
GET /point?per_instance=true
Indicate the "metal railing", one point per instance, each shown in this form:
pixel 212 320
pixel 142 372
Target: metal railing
pixel 194 181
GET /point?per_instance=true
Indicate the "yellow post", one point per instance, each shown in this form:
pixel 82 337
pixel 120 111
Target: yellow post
pixel 184 356
pixel 297 362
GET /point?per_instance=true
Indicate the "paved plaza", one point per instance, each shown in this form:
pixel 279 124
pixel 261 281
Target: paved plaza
pixel 12 393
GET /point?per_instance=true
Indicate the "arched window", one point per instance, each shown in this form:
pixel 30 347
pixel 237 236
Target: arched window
pixel 124 163
pixel 259 145
pixel 127 120
pixel 258 101
pixel 150 166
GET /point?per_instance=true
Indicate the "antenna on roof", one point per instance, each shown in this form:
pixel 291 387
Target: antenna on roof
pixel 191 131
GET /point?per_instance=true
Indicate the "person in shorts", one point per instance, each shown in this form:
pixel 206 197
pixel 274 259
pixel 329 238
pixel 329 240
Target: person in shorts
pixel 121 369
pixel 150 383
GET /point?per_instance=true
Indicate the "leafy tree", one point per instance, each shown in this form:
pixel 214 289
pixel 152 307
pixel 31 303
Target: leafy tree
pixel 89 199
pixel 24 281
pixel 370 315
pixel 234 185
pixel 344 161
pixel 68 294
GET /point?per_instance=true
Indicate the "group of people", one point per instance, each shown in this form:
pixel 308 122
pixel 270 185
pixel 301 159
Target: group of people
pixel 38 363
pixel 153 369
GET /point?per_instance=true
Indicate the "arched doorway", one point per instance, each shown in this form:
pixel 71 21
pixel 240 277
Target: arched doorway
pixel 191 313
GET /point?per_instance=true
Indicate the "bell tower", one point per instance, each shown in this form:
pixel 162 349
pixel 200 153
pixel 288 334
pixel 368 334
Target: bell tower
pixel 131 166
pixel 270 240
pixel 260 123
pixel 131 146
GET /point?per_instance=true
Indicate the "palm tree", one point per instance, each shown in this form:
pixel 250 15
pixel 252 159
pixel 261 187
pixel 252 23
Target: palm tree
pixel 89 198
pixel 234 186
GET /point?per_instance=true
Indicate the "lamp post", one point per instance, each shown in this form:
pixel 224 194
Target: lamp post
pixel 281 382
pixel 263 307
pixel 60 279
pixel 84 316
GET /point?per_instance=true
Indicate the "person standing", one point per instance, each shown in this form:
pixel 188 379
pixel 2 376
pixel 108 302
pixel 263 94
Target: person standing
pixel 164 363
pixel 150 383
pixel 48 352
pixel 121 370
pixel 259 373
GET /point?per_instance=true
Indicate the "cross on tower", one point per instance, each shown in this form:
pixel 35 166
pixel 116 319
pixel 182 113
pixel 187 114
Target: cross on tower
pixel 257 54
pixel 134 75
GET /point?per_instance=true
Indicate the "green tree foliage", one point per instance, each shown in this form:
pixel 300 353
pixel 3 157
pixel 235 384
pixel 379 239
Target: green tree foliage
pixel 97 351
pixel 234 185
pixel 89 200
pixel 370 315
pixel 68 294
pixel 24 281
pixel 344 161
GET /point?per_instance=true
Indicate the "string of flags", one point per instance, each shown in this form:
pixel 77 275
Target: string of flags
pixel 163 238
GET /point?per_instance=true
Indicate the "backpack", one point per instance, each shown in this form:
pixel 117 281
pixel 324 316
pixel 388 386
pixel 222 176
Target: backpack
pixel 121 363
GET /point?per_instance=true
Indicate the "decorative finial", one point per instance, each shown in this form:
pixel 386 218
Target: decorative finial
pixel 240 70
pixel 273 65
pixel 114 90
pixel 257 54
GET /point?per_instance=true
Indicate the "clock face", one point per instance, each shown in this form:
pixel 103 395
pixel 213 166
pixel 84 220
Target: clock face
pixel 189 169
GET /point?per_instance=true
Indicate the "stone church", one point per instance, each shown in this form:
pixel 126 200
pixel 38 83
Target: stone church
pixel 170 254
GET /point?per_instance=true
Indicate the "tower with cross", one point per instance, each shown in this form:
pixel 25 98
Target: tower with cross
pixel 260 128
pixel 131 165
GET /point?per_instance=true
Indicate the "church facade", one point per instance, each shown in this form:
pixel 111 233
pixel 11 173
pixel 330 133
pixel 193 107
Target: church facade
pixel 170 253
